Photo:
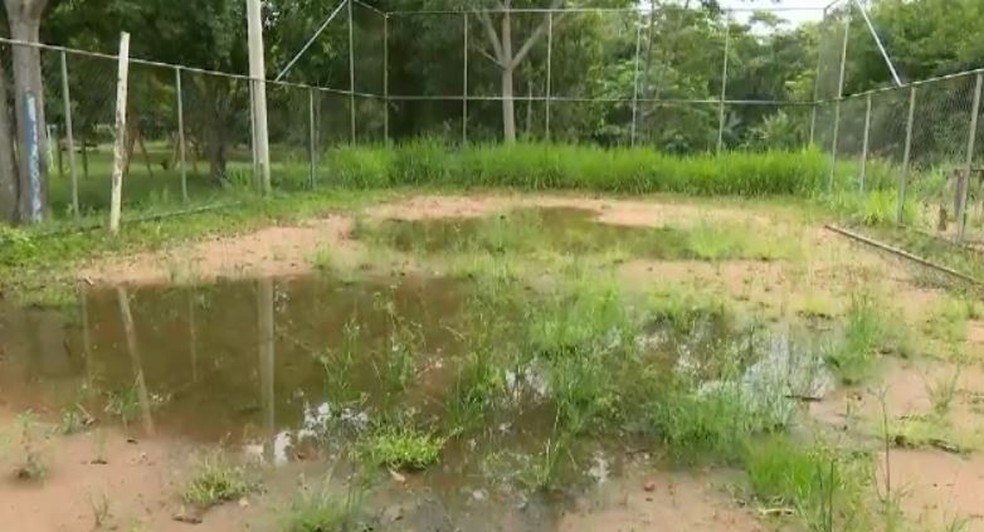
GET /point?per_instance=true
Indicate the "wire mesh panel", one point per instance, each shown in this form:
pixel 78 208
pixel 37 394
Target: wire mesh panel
pixel 289 115
pixel 92 86
pixel 218 130
pixel 762 127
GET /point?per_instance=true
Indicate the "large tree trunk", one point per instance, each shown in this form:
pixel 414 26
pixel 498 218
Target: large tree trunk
pixel 502 49
pixel 8 168
pixel 25 22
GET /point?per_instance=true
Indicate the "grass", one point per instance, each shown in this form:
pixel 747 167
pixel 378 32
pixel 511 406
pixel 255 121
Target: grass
pixel 942 392
pixel 555 166
pixel 33 465
pixel 322 509
pixel 216 481
pixel 867 335
pixel 536 232
pixel 824 488
pixel 401 448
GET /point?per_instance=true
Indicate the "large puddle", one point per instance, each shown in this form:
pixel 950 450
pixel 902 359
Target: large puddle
pixel 562 229
pixel 293 370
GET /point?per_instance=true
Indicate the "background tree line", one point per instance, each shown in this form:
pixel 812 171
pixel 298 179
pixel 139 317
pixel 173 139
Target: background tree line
pixel 681 46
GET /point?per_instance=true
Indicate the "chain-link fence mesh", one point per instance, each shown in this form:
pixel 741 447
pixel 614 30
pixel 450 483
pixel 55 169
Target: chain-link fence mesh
pixel 674 79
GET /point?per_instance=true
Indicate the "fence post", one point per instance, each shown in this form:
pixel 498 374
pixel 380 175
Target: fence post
pixel 312 150
pixel 906 156
pixel 864 144
pixel 635 84
pixel 257 179
pixel 724 88
pixel 464 80
pixel 386 85
pixel 351 42
pixel 119 149
pixel 181 133
pixel 549 73
pixel 971 141
pixel 70 135
pixel 837 104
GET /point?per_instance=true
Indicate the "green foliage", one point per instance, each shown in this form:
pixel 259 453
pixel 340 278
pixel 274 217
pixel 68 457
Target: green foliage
pixel 555 166
pixel 825 488
pixel 15 245
pixel 866 335
pixel 216 481
pixel 320 509
pixel 401 447
pixel 574 231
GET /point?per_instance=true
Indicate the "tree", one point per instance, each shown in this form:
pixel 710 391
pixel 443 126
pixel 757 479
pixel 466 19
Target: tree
pixel 24 19
pixel 503 57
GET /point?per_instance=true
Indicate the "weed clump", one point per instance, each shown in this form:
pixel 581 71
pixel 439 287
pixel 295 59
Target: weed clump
pixel 401 448
pixel 320 509
pixel 215 482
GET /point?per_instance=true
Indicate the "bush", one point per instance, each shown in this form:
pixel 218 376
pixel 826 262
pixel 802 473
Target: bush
pixel 542 166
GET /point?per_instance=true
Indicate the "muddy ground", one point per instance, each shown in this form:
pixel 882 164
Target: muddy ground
pixel 938 476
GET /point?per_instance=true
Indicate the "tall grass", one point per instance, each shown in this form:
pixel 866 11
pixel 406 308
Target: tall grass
pixel 540 166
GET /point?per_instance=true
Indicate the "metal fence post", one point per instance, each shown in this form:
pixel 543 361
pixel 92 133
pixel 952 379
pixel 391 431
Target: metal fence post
pixel 386 85
pixel 351 42
pixel 70 135
pixel 549 73
pixel 864 144
pixel 837 104
pixel 906 156
pixel 635 84
pixel 312 150
pixel 181 133
pixel 971 141
pixel 464 80
pixel 724 88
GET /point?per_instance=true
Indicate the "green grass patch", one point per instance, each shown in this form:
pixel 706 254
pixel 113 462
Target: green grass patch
pixel 216 481
pixel 543 166
pixel 322 509
pixel 826 489
pixel 534 232
pixel 402 448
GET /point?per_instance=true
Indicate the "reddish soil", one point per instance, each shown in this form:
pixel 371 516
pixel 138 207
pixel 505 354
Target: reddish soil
pixel 140 485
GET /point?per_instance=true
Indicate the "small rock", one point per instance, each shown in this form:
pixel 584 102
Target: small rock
pixel 479 495
pixel 191 516
pixel 243 503
pixel 649 485
pixel 395 475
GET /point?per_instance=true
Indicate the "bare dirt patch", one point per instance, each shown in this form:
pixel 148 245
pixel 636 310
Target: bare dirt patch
pixel 688 501
pixel 280 251
pixel 138 486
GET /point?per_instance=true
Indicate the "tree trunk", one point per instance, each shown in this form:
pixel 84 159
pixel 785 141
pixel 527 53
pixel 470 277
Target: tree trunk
pixel 8 166
pixel 24 17
pixel 216 147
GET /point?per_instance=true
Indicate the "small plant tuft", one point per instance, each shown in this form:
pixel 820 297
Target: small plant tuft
pixel 402 448
pixel 215 482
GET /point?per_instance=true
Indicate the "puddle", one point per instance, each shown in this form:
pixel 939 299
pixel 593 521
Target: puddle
pixel 296 370
pixel 563 229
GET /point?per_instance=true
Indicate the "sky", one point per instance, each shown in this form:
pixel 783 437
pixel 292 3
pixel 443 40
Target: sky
pixel 804 10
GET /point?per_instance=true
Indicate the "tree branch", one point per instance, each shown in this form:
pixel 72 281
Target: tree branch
pixel 483 17
pixel 537 34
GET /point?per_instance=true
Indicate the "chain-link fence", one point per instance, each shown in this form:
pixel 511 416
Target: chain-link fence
pixel 917 140
pixel 674 79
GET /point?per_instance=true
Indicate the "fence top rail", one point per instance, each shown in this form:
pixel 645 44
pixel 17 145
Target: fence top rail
pixel 911 84
pixel 561 99
pixel 183 68
pixel 561 10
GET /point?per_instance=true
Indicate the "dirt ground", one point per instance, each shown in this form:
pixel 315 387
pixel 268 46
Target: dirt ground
pixel 938 485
